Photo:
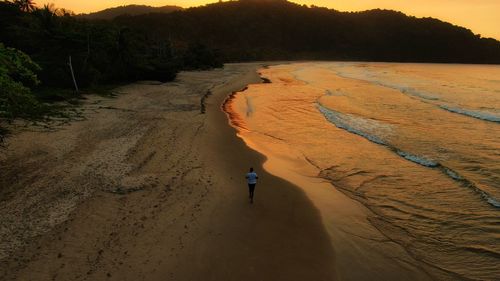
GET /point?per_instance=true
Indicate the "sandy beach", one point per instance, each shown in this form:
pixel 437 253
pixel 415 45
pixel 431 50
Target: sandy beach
pixel 149 188
pixel 129 131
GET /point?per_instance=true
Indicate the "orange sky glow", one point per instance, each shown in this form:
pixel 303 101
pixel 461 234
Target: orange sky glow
pixel 481 16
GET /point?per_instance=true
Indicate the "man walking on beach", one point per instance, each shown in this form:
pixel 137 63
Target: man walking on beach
pixel 252 181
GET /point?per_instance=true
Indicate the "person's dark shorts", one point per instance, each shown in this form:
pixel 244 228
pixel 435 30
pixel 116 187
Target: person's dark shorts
pixel 251 187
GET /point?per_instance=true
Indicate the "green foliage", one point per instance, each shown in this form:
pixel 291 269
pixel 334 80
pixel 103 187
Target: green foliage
pixel 17 75
pixel 102 52
pixel 3 133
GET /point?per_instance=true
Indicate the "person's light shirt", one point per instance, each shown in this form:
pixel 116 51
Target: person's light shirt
pixel 252 178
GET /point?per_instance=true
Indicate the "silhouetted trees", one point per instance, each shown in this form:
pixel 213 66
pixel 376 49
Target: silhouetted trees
pixel 46 52
pixel 25 5
pixel 111 13
pixel 100 51
pixel 277 30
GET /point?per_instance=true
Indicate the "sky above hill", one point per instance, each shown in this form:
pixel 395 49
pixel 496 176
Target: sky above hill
pixel 481 16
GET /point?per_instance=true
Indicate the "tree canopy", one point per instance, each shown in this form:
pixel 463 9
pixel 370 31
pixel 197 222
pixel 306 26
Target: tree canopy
pixel 45 52
pixel 279 30
pixel 101 51
pixel 17 75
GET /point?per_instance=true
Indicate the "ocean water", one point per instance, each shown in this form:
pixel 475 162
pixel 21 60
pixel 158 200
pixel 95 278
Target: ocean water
pixel 417 144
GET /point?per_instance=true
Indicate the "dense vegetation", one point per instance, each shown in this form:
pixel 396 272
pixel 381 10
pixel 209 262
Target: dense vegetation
pixel 48 54
pixel 277 30
pixel 17 75
pixel 132 10
pixel 100 51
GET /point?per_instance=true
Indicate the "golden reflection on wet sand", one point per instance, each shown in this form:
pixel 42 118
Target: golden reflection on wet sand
pixel 370 153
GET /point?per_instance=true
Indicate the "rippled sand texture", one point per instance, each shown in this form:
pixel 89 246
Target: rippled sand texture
pixel 418 144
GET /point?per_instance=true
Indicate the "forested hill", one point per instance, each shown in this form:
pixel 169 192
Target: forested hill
pixel 133 10
pixel 277 30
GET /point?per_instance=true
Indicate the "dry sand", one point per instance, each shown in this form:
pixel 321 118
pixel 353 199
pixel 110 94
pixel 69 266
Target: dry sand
pixel 147 188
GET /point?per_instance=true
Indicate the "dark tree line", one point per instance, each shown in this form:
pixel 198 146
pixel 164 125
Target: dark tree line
pixel 101 51
pixel 111 13
pixel 61 53
pixel 277 30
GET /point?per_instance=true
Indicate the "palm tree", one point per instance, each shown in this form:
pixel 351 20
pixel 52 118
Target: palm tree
pixel 47 15
pixel 26 5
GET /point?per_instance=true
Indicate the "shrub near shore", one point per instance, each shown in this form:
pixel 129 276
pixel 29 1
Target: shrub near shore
pixel 17 75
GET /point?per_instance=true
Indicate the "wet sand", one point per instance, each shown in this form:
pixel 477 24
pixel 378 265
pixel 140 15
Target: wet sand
pixel 399 231
pixel 148 188
pixel 361 250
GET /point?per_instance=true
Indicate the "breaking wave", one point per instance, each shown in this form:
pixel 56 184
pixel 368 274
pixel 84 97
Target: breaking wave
pixel 416 159
pixel 358 125
pixel 403 89
pixel 354 124
pixel 420 94
pixel 467 183
pixel 332 93
pixel 487 116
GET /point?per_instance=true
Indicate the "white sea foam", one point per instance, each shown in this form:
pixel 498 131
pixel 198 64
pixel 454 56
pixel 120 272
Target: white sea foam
pixel 356 125
pixel 373 131
pixel 487 116
pixel 485 195
pixel 367 128
pixel 417 159
pixel 402 88
pixel 453 174
pixel 493 202
pixel 408 90
pixel 334 93
pixel 416 93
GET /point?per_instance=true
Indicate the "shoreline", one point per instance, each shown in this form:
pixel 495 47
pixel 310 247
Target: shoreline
pixel 272 223
pixel 357 241
pixel 163 170
pixel 148 188
pixel 405 201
